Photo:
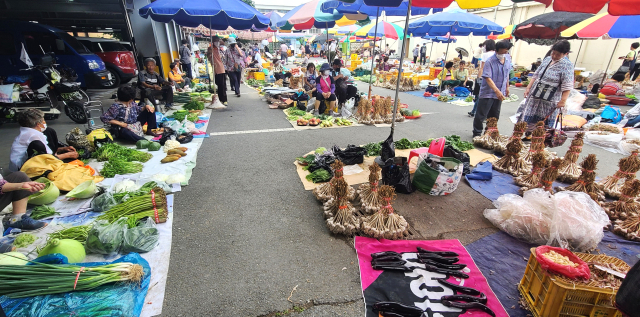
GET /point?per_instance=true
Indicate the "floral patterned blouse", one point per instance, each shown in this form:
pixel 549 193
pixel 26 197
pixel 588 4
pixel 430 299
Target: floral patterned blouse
pixel 233 60
pixel 559 74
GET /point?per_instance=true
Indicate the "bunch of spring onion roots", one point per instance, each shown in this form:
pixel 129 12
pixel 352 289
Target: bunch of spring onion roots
pixel 368 192
pixel 491 135
pixel 547 177
pixel 586 183
pixel 18 281
pixel 324 192
pixel 628 167
pixel 537 145
pixel 518 132
pixel 570 171
pixel 363 111
pixel 385 223
pixel 139 207
pixel 532 179
pixel 511 162
pixel 341 213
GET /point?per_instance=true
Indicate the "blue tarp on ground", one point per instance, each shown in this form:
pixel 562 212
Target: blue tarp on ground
pixel 499 185
pixel 503 259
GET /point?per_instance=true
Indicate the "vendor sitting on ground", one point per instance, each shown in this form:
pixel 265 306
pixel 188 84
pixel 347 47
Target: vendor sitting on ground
pixel 279 71
pixel 309 78
pixel 15 190
pixel 344 82
pixel 36 138
pixel 127 117
pixel 325 90
pixel 613 86
pixel 385 65
pixel 446 76
pixel 177 78
pixel 462 74
pixel 152 85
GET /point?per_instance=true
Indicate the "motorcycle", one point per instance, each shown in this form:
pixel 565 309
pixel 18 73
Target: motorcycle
pixel 60 90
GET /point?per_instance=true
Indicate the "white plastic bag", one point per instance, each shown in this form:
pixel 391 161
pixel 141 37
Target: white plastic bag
pixel 567 219
pixel 575 101
pixel 605 140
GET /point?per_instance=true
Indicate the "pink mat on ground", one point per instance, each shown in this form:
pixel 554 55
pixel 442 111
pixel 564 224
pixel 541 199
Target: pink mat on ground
pixel 419 287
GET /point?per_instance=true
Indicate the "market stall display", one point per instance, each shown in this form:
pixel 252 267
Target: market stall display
pixel 627 206
pixel 340 211
pixel 537 144
pixel 628 167
pixel 569 170
pixel 368 192
pixel 548 176
pixel 363 111
pixel 518 132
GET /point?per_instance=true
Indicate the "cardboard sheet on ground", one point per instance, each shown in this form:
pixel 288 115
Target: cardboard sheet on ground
pixel 502 259
pixel 158 258
pixel 352 179
pixel 418 287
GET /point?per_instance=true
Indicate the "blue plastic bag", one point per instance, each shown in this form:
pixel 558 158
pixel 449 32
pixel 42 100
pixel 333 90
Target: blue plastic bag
pixel 461 91
pixel 611 113
pixel 120 299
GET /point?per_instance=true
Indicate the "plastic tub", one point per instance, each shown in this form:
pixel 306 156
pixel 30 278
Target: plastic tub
pixel 618 101
pixel 437 147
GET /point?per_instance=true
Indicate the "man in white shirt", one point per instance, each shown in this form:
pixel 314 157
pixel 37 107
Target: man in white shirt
pixel 440 61
pixel 477 55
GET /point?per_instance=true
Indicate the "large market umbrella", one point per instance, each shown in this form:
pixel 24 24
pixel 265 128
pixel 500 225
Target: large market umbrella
pixel 508 30
pixel 545 29
pixel 615 7
pixel 360 7
pixel 439 39
pixel 308 15
pixel 347 29
pixel 352 39
pixel 351 19
pixel 274 17
pixel 605 26
pixel 215 13
pixel 453 22
pixel 381 29
pixel 439 4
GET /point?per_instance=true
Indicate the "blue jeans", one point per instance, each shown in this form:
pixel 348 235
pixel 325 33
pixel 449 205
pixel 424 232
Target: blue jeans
pixel 475 107
pixel 633 122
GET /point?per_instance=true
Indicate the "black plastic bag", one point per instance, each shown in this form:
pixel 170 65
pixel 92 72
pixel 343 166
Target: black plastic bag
pixel 388 149
pixel 349 156
pixel 463 157
pixel 628 297
pixel 397 174
pixel 167 135
pixel 592 102
pixel 322 161
pixel 185 138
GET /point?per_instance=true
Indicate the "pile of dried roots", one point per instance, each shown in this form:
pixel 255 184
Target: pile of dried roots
pixel 627 206
pixel 385 223
pixel 364 110
pixel 537 142
pixel 342 219
pixel 511 162
pixel 324 191
pixel 518 132
pixel 547 177
pixel 570 171
pixel 368 192
pixel 586 183
pixel 628 167
pixel 532 178
pixel 491 135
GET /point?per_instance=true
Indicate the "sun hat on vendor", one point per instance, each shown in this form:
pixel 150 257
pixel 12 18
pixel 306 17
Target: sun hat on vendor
pixel 325 66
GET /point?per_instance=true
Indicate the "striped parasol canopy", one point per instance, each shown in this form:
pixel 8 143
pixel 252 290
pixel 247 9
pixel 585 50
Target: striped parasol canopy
pixel 385 29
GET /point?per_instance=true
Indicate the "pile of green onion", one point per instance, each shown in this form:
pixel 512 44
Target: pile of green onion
pixel 44 279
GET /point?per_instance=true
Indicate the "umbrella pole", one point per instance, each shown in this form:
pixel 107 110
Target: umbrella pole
pixel 404 38
pixel 610 59
pixel 431 51
pixel 446 53
pixel 328 55
pixel 578 54
pixel 373 50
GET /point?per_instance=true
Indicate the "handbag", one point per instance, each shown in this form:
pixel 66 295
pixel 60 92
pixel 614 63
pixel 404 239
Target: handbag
pixel 626 65
pixel 555 136
pixel 437 181
pixel 544 91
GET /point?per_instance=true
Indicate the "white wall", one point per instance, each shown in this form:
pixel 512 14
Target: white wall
pixel 593 55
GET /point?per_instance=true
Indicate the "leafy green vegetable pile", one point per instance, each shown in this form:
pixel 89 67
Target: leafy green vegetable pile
pixel 319 176
pixel 41 212
pixel 78 233
pixel 120 167
pixel 373 149
pixel 23 240
pixel 113 151
pixel 194 105
pixel 306 160
pixel 192 117
pixel 456 143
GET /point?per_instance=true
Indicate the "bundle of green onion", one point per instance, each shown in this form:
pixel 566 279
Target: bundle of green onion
pixel 110 151
pixel 44 279
pixel 78 233
pixel 120 167
pixel 139 207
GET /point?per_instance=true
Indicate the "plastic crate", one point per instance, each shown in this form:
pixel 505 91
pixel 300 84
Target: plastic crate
pixel 354 56
pixel 258 75
pixel 554 295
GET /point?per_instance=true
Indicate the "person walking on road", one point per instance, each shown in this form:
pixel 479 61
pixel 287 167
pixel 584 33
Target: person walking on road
pixel 495 86
pixel 416 53
pixel 489 48
pixel 477 55
pixel 555 74
pixel 423 53
pixel 284 53
pixel 216 55
pixel 234 62
pixel 185 58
